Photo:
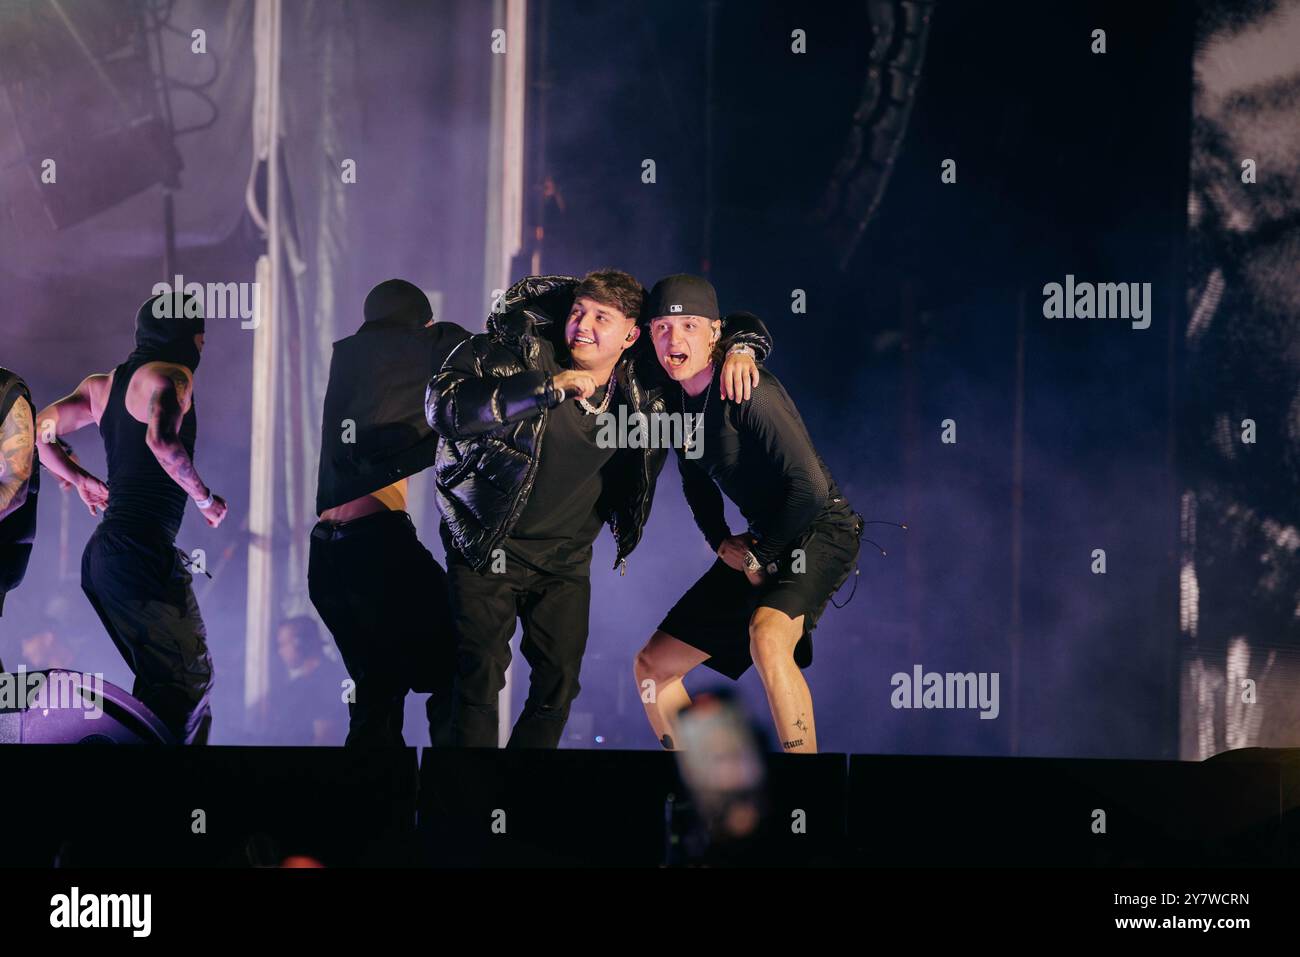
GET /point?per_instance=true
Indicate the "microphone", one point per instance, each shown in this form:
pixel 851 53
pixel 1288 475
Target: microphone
pixel 573 392
pixel 562 394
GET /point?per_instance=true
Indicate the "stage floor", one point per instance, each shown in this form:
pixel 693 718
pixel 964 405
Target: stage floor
pixel 109 805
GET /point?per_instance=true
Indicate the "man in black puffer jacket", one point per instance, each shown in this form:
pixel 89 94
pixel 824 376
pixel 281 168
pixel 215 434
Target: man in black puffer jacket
pixel 524 486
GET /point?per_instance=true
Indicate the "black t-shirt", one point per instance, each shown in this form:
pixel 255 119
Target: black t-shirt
pixel 759 454
pixel 560 520
pixel 307 698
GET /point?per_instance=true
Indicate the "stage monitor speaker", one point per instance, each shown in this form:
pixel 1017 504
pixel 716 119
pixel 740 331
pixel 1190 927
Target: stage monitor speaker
pixel 86 105
pixel 72 707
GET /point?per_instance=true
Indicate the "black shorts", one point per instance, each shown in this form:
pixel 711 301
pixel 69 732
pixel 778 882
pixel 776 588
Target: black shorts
pixel 715 612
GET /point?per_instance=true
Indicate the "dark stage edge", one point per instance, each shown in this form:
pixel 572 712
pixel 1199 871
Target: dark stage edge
pixel 107 806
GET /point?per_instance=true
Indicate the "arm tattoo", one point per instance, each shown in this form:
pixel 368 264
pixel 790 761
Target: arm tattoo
pixel 17 451
pixel 182 384
pixel 177 463
pixel 165 405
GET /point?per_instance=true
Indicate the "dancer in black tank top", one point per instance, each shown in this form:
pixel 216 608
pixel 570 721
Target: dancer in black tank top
pixel 135 577
pixel 140 492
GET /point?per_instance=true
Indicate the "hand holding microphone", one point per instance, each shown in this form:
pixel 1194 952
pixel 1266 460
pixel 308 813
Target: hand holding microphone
pixel 575 384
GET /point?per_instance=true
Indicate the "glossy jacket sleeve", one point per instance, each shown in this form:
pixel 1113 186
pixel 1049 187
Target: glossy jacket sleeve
pixel 462 400
pixel 745 328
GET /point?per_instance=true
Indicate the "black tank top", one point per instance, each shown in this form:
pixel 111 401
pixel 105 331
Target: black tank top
pixel 141 495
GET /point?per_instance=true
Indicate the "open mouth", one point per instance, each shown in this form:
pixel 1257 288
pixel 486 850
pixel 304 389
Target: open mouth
pixel 582 341
pixel 675 359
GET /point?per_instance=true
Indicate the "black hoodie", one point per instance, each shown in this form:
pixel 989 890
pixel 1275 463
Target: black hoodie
pixel 373 429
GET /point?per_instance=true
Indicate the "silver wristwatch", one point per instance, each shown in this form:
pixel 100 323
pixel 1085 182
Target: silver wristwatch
pixel 741 349
pixel 751 563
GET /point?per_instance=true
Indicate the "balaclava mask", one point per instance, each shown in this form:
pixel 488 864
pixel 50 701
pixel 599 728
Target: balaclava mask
pixel 169 337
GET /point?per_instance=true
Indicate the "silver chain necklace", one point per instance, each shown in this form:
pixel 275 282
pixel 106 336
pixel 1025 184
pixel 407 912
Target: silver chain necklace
pixel 609 392
pixel 690 444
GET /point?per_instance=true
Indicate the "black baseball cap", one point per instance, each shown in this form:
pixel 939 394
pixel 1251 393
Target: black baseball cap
pixel 682 295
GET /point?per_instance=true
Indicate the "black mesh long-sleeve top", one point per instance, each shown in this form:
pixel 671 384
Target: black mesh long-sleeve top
pixel 759 454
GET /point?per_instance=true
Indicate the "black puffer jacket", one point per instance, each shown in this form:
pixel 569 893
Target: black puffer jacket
pixel 490 404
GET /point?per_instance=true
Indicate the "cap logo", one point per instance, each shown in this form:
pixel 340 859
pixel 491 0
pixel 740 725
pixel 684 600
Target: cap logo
pixel 675 308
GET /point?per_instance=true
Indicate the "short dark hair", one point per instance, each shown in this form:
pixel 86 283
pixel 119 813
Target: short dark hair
pixel 613 287
pixel 719 354
pixel 306 630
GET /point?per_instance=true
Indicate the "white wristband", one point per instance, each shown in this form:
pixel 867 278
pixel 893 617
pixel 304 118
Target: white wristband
pixel 203 503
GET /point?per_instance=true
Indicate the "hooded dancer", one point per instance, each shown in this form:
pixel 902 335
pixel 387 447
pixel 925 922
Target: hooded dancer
pixel 136 578
pixel 376 587
pixel 20 481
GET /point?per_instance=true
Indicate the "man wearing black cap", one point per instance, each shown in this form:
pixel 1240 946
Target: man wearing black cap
pixel 136 578
pixel 376 587
pixel 524 484
pixel 759 602
pixel 20 481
